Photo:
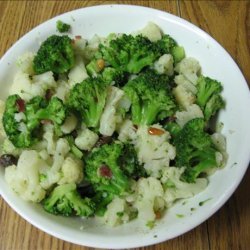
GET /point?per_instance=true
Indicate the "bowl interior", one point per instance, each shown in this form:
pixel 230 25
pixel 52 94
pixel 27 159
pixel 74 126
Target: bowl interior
pixel 215 63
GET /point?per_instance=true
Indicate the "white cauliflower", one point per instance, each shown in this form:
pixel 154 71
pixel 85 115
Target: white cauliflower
pixel 86 139
pixel 27 88
pixel 25 63
pixel 183 81
pixel 183 97
pixel 177 189
pixel 127 131
pixel 154 151
pixel 150 199
pixel 219 141
pixel 72 171
pixel 117 212
pixel 69 124
pixel 49 138
pixel 62 89
pixel 151 31
pixel 24 178
pixel 165 65
pixel 111 116
pixel 190 68
pixel 78 73
pixel 53 174
pixel 192 111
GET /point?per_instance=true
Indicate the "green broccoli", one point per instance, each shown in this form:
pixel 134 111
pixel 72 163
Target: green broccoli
pixel 128 53
pixel 88 99
pixel 129 163
pixel 66 201
pixel 116 76
pixel 108 170
pixel 209 96
pixel 62 27
pixel 194 150
pixel 56 54
pixel 151 98
pixel 12 127
pixel 167 45
pixel 24 133
pixel 37 110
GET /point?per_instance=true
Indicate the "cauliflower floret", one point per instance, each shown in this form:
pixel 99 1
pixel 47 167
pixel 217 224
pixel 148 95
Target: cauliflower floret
pixel 53 174
pixel 219 141
pixel 78 73
pixel 69 124
pixel 72 171
pixel 190 68
pixel 177 189
pixel 25 63
pixel 154 151
pixel 127 131
pixel 150 199
pixel 118 212
pixel 151 31
pixel 165 65
pixel 79 45
pixel 27 88
pixel 110 116
pixel 193 111
pixel 92 47
pixel 86 139
pixel 24 178
pixel 62 89
pixel 21 85
pixel 183 97
pixel 50 139
pixel 183 81
pixel 45 80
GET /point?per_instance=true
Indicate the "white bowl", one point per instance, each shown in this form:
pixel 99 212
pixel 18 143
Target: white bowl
pixel 215 62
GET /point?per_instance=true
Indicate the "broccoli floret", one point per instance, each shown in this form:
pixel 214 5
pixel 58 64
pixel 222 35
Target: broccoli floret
pixel 151 98
pixel 209 96
pixel 56 54
pixel 108 170
pixel 130 164
pixel 62 27
pixel 23 132
pixel 194 150
pixel 37 110
pixel 66 201
pixel 102 199
pixel 167 45
pixel 116 76
pixel 20 139
pixel 88 99
pixel 129 53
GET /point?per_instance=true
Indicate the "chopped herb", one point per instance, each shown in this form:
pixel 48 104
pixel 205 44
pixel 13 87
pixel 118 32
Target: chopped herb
pixel 192 209
pixel 62 27
pixel 120 214
pixel 150 224
pixel 180 215
pixel 203 202
pixel 169 184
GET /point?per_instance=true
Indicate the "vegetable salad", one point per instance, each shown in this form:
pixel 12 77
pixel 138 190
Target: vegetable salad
pixel 117 127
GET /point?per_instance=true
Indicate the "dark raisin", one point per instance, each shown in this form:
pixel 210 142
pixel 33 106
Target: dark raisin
pixel 103 140
pixel 7 160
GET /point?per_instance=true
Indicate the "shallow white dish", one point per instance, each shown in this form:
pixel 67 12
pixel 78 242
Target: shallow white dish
pixel 215 62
